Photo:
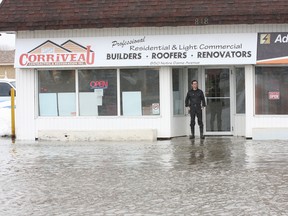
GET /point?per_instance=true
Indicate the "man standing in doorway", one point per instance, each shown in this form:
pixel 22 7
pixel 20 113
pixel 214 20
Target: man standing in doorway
pixel 195 101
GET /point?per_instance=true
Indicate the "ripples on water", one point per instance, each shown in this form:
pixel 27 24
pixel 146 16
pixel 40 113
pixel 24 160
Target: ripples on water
pixel 178 176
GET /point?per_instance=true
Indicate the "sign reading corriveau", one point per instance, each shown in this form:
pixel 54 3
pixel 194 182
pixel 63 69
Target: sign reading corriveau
pixel 164 50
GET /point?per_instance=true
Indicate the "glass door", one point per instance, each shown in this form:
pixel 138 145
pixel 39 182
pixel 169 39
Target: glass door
pixel 218 98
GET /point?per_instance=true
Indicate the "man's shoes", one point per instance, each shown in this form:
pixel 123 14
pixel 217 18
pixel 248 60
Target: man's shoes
pixel 191 137
pixel 202 136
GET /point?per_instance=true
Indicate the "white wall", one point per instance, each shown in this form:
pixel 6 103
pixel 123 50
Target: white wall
pixel 25 110
pixel 239 125
pixel 249 97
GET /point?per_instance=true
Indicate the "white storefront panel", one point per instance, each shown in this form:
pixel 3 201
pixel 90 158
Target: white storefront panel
pixel 164 50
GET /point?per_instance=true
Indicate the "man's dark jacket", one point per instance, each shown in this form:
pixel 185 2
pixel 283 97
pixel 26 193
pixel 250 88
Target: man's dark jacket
pixel 194 98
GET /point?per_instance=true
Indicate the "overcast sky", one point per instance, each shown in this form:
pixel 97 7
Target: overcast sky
pixel 7 41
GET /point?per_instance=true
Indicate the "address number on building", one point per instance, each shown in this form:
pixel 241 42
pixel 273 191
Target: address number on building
pixel 201 21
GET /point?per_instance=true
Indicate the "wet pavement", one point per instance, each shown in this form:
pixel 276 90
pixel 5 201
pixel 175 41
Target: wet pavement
pixel 217 176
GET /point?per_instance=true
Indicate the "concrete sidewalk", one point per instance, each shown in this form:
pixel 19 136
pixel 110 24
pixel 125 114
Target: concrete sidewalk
pixel 216 176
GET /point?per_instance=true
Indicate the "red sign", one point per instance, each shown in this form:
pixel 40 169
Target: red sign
pixel 274 95
pixel 52 54
pixel 99 84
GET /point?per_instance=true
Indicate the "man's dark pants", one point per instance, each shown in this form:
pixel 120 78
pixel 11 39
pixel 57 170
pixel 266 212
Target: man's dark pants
pixel 196 113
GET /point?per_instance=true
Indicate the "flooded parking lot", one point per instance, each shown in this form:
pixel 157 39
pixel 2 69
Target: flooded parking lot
pixel 216 176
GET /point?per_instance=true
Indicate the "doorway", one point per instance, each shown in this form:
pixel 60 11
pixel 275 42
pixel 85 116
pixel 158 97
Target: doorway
pixel 218 98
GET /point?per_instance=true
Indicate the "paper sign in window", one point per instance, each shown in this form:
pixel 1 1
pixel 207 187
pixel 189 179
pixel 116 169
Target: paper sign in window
pixel 67 104
pixel 88 104
pixel 132 105
pixel 274 95
pixel 48 104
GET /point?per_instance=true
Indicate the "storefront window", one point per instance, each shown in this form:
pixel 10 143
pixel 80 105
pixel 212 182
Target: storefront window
pixel 178 94
pixel 271 87
pixel 57 95
pixel 98 92
pixel 139 90
pixel 240 90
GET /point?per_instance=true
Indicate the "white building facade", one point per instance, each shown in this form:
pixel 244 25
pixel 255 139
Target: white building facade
pixel 131 83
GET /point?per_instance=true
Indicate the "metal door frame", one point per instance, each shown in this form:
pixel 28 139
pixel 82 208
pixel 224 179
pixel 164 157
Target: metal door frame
pixel 202 73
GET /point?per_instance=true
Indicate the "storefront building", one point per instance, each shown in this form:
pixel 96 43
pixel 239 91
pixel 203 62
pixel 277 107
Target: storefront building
pixel 130 82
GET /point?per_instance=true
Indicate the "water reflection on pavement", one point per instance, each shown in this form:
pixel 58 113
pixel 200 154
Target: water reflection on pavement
pixel 217 176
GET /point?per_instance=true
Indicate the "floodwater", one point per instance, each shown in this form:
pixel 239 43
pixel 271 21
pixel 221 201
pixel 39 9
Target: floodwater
pixel 217 176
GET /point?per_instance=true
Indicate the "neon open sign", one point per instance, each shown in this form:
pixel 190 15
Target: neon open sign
pixel 99 84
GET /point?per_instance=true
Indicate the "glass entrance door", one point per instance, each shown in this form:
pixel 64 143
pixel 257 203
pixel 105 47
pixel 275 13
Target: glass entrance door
pixel 218 110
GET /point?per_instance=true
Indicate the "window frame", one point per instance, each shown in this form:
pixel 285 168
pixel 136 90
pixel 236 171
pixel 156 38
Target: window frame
pixel 37 108
pixel 254 92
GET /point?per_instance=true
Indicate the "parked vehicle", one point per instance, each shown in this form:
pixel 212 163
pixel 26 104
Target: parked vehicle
pixel 5 91
pixel 5 105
